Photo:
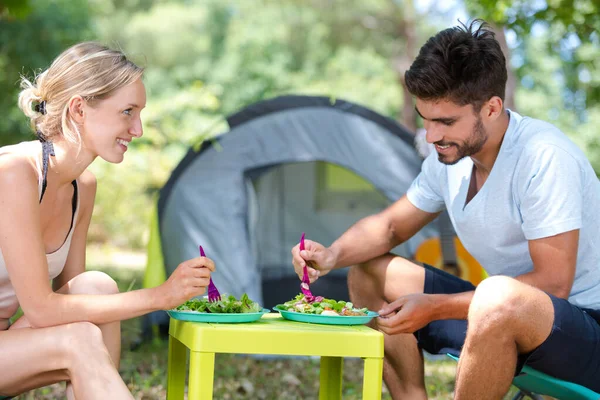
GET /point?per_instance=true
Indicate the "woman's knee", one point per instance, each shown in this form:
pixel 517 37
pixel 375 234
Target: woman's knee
pixel 83 341
pixel 93 282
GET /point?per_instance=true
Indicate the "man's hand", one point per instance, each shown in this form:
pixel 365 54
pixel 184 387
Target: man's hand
pixel 320 260
pixel 406 315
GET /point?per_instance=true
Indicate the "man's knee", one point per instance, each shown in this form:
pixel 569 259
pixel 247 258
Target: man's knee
pixel 503 307
pixel 499 303
pixel 498 295
pixel 387 276
pixel 356 278
pixel 357 273
pixel 368 272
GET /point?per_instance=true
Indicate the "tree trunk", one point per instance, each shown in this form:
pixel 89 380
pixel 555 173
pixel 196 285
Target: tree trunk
pixel 511 83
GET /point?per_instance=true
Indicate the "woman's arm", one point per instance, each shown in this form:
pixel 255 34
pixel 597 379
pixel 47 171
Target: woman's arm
pixel 23 250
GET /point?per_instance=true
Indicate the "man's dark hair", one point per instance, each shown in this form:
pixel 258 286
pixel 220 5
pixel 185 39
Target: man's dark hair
pixel 463 64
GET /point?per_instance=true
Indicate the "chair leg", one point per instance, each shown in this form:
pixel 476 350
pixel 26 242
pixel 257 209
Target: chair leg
pixel 536 396
pixel 523 393
pixel 519 396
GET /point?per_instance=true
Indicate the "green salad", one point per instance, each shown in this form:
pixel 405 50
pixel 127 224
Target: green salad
pixel 322 306
pixel 227 305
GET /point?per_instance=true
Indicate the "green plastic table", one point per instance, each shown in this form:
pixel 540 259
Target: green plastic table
pixel 271 335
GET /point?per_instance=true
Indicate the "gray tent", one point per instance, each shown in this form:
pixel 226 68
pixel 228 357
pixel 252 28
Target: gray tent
pixel 288 165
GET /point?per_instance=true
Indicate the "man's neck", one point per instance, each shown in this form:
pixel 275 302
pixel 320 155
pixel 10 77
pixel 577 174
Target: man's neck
pixel 485 159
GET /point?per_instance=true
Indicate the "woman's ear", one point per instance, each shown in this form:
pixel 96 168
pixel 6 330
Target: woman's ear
pixel 76 109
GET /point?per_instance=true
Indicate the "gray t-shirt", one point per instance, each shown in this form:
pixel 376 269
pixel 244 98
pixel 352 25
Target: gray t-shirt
pixel 541 185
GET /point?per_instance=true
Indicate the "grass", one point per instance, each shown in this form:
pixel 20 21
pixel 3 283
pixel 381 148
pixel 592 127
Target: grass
pixel 239 376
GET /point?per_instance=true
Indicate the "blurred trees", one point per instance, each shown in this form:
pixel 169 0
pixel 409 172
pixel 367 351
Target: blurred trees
pixel 556 59
pixel 571 29
pixel 223 55
pixel 31 35
pixel 205 59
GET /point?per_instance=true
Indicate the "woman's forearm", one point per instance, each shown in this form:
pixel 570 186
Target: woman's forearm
pixel 98 309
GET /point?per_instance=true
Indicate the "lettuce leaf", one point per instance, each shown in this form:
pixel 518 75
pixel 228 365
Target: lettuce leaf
pixel 319 304
pixel 227 305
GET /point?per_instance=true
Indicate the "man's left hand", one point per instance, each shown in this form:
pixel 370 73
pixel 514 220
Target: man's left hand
pixel 406 314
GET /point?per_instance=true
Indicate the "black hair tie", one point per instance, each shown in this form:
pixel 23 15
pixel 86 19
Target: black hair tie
pixel 41 137
pixel 41 107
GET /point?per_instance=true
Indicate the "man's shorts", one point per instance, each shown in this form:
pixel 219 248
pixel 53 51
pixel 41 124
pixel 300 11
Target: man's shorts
pixel 571 352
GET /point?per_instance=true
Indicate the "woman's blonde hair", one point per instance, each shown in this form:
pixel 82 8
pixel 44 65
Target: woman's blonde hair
pixel 88 69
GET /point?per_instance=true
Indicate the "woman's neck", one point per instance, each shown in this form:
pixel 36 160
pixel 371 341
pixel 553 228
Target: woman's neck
pixel 68 163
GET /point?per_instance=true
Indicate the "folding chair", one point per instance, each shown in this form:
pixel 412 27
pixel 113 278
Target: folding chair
pixel 533 384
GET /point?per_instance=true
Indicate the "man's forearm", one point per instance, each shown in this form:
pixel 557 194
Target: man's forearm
pixel 452 306
pixel 456 306
pixel 368 238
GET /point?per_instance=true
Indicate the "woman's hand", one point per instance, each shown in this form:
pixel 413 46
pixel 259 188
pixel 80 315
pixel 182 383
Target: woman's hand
pixel 318 259
pixel 189 279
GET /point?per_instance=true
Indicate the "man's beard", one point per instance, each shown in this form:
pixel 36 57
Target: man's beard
pixel 472 145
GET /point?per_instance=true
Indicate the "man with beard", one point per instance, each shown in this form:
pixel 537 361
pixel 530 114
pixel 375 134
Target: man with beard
pixel 524 201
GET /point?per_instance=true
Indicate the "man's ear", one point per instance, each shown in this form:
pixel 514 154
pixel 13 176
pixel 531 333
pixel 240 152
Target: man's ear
pixel 76 109
pixel 493 108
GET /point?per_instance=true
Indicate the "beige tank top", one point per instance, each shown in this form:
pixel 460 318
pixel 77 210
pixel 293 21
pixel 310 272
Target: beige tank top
pixel 9 303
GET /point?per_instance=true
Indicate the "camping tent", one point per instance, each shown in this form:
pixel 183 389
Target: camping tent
pixel 288 165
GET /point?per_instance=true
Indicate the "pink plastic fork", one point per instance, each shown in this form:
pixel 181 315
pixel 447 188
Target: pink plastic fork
pixel 213 293
pixel 305 280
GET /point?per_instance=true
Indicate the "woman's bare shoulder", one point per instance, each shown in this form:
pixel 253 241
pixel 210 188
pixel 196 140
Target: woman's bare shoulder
pixel 17 164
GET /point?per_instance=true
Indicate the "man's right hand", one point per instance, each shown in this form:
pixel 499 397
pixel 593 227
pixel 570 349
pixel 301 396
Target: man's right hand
pixel 319 260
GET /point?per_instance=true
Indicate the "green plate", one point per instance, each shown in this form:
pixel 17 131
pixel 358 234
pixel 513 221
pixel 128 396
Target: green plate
pixel 327 319
pixel 223 318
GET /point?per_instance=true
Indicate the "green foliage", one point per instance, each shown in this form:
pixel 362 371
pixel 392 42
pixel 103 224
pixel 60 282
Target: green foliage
pixel 221 55
pixel 580 17
pixel 28 45
pixel 572 28
pixel 555 56
pixel 14 8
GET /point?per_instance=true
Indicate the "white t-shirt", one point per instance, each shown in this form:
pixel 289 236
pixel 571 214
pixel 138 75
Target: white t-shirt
pixel 540 185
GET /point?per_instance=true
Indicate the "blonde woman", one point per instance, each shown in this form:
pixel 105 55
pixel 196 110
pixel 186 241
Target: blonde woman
pixel 86 105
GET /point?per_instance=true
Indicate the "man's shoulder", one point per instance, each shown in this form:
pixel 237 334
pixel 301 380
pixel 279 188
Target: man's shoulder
pixel 530 130
pixel 536 138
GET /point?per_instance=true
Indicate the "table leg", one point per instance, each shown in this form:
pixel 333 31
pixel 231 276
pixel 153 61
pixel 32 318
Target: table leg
pixel 331 378
pixel 202 370
pixel 373 377
pixel 176 369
